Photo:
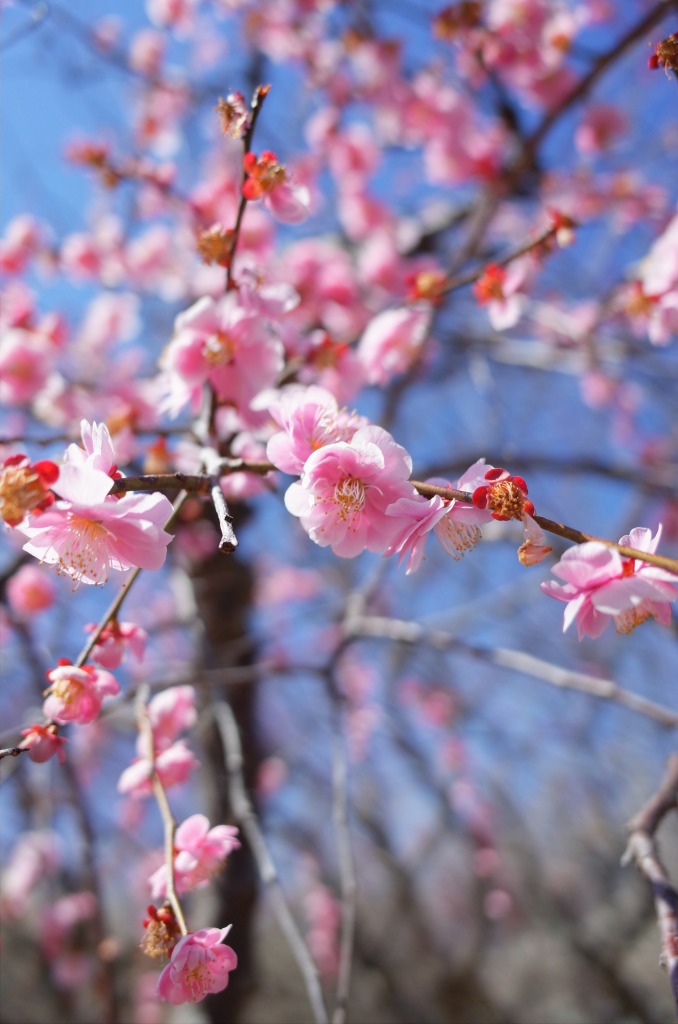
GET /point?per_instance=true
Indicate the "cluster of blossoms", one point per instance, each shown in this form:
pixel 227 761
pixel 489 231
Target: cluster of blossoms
pixel 79 526
pixel 170 713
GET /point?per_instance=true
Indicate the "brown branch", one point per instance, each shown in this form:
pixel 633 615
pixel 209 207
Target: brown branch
pixel 642 849
pixel 260 94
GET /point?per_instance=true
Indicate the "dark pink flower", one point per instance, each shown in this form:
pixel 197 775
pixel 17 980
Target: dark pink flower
pixel 199 965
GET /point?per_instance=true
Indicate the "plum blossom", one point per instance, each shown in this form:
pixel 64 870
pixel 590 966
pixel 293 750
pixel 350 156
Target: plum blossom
pixel 43 742
pixel 199 965
pixel 30 591
pixel 86 533
pixel 501 290
pixel 268 180
pixel 199 853
pixel 346 489
pixel 601 584
pixel 310 418
pixel 25 487
pixel 76 693
pixel 392 342
pixel 224 344
pixel 455 523
pixel 114 640
pixel 173 766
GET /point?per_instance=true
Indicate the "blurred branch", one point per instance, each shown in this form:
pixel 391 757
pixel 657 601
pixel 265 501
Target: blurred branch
pixel 403 631
pixel 642 848
pixel 244 812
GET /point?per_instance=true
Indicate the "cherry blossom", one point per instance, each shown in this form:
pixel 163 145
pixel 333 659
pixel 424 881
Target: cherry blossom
pixel 199 965
pixel 86 533
pixel 76 694
pixel 199 853
pixel 346 489
pixel 173 766
pixel 601 584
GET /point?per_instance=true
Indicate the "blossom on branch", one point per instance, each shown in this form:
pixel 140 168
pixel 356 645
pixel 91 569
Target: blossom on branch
pixel 199 853
pixel 199 965
pixel 268 180
pixel 455 523
pixel 25 488
pixel 601 584
pixel 43 742
pixel 87 533
pixel 346 489
pixel 77 693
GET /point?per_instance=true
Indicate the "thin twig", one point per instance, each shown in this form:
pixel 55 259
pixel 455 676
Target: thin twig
pixel 169 824
pixel 642 849
pixel 403 631
pixel 244 813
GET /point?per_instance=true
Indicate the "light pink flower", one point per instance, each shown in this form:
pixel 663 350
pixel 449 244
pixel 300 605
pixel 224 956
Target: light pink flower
pixel 97 450
pixel 223 343
pixel 455 523
pixel 87 534
pixel 76 694
pixel 199 965
pixel 200 852
pixel 43 742
pixel 346 488
pixel 393 341
pixel 310 419
pixel 600 584
pixel 26 360
pixel 171 712
pixel 172 765
pixel 29 591
pixel 114 640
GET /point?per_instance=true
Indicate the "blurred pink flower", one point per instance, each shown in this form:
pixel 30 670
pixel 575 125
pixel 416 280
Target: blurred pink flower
pixel 171 712
pixel 268 180
pixel 43 742
pixel 392 342
pixel 114 640
pixel 30 591
pixel 346 489
pixel 173 766
pixel 76 694
pixel 199 853
pixel 199 965
pixel 455 523
pixel 86 534
pixel 600 584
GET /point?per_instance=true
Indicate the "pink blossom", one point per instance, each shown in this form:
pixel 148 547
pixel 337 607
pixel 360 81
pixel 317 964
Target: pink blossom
pixel 86 534
pixel 393 341
pixel 310 419
pixel 173 767
pixel 346 488
pixel 600 584
pixel 455 523
pixel 200 852
pixel 30 591
pixel 171 712
pixel 223 343
pixel 147 52
pixel 199 965
pixel 179 15
pixel 268 180
pixel 76 694
pixel 114 640
pixel 500 289
pixel 43 742
pixel 97 450
pixel 22 240
pixel 35 857
pixel 599 128
pixel 25 364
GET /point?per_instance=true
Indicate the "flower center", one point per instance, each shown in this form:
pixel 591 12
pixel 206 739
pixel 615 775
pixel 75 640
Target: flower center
pixel 349 497
pixel 219 348
pixel 85 551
